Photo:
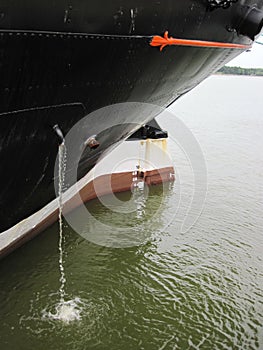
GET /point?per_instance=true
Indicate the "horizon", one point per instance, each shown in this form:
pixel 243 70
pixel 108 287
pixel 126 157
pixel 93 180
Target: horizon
pixel 252 58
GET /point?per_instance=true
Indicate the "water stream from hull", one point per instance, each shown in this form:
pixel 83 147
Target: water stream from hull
pixel 61 170
pixel 65 310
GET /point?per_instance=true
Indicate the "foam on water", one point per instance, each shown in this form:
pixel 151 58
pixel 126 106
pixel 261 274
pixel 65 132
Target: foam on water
pixel 65 311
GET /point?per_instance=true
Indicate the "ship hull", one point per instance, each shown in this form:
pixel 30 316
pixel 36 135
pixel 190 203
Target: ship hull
pixel 59 64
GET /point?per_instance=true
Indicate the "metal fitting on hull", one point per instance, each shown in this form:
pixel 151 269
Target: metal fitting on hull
pixel 91 142
pixel 251 23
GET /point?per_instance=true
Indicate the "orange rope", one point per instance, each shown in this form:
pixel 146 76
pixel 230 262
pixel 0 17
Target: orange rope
pixel 164 41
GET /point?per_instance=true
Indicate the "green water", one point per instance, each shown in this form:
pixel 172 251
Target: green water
pixel 201 289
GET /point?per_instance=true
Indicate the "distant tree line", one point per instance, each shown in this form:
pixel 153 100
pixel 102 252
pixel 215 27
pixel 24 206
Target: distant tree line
pixel 241 71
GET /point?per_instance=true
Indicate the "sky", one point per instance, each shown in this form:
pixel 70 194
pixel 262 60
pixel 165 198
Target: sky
pixel 251 59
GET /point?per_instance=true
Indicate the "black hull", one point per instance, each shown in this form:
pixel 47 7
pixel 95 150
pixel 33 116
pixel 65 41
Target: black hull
pixel 60 63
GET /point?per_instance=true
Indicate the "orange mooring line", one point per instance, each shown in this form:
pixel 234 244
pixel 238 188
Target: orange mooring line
pixel 165 40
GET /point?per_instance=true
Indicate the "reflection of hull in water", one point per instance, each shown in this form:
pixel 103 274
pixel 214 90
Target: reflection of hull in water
pixel 59 63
